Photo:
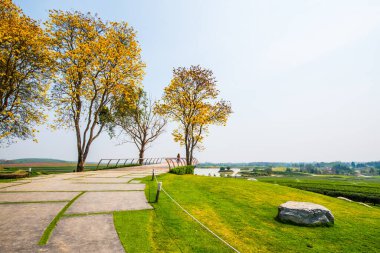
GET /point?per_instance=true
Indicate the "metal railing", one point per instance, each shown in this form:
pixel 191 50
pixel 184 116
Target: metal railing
pixel 129 161
pixel 172 162
pixel 175 162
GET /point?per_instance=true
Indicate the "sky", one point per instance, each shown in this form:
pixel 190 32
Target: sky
pixel 302 76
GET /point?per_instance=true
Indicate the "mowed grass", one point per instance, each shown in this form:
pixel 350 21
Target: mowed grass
pixel 242 212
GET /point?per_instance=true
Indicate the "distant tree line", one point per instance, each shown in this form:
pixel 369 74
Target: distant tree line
pixel 339 168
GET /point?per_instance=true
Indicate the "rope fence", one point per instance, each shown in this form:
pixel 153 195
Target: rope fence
pixel 161 188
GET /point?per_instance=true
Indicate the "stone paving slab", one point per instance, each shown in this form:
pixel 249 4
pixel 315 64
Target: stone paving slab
pixel 93 233
pixel 40 177
pixel 65 176
pixel 137 176
pixel 162 166
pixel 101 180
pixel 36 196
pixel 141 175
pixel 108 175
pixel 92 202
pixel 68 186
pixel 5 185
pixel 22 225
pixel 72 176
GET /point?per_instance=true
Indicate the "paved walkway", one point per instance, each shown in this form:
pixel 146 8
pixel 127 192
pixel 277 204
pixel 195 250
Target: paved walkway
pixel 28 206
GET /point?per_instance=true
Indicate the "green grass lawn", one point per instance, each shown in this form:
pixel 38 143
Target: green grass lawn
pixel 242 212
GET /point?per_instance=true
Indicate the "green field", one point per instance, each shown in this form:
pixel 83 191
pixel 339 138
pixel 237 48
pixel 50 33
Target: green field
pixel 364 189
pixel 242 212
pixel 33 160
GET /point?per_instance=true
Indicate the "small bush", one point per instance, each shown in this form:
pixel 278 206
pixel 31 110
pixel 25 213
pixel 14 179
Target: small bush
pixel 181 170
pixel 13 175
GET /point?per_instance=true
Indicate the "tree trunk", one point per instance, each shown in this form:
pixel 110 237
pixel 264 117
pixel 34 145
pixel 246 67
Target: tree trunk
pixel 188 161
pixel 80 164
pixel 141 156
pixel 191 155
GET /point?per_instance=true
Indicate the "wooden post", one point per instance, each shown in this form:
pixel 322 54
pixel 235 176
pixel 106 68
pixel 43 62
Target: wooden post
pixel 152 174
pixel 158 190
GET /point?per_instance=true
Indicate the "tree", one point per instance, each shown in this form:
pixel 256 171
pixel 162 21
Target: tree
pixel 98 64
pixel 340 168
pixel 24 63
pixel 189 99
pixel 141 123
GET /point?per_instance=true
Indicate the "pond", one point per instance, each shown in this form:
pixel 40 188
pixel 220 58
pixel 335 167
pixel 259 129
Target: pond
pixel 214 172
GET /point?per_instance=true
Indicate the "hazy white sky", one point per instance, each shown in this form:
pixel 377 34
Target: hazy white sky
pixel 302 76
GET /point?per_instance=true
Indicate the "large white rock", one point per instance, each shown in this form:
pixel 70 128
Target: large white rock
pixel 305 213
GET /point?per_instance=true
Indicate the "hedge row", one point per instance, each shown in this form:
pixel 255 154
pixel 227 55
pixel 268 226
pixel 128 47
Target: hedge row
pixel 181 170
pixel 367 190
pixel 355 196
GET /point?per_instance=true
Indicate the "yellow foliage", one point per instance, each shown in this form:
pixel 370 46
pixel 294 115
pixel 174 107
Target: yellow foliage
pixel 25 61
pixel 190 100
pixel 98 63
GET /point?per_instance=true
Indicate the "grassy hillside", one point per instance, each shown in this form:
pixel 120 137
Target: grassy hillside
pixel 241 212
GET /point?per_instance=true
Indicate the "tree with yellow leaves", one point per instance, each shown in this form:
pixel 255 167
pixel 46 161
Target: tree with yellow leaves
pixel 24 64
pixel 190 99
pixel 98 65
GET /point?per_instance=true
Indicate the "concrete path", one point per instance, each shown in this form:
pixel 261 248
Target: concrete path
pixel 22 225
pixel 28 206
pixel 93 233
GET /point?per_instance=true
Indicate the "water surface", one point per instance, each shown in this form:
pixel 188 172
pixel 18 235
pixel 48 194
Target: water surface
pixel 214 172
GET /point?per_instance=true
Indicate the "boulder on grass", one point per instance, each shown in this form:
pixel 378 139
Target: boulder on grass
pixel 305 214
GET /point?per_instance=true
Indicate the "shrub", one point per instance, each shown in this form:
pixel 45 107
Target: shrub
pixel 13 175
pixel 181 170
